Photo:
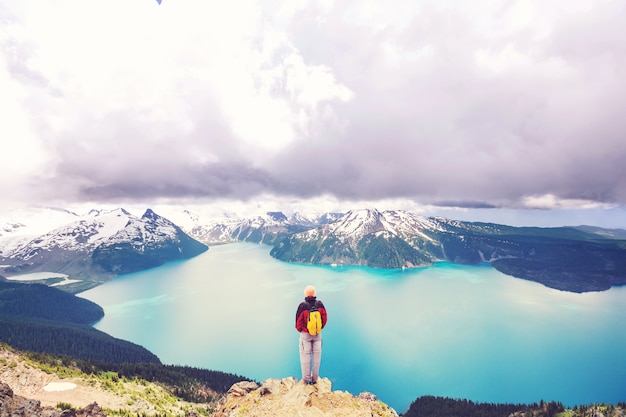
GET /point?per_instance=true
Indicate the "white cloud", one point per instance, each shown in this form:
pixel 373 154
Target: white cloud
pixel 488 102
pixel 550 201
pixel 21 149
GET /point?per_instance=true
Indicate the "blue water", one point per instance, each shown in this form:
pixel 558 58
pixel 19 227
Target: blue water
pixel 448 330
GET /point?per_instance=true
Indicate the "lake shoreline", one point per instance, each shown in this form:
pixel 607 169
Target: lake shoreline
pixel 472 333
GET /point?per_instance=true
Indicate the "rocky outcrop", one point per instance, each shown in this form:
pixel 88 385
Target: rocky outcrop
pixel 274 397
pixel 17 406
pixel 289 397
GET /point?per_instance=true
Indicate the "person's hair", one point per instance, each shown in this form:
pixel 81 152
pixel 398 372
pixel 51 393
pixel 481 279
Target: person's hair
pixel 309 291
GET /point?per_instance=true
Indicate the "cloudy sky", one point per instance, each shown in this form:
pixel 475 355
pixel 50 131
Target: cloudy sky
pixel 477 106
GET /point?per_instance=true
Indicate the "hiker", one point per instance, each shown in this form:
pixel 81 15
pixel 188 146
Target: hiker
pixel 310 340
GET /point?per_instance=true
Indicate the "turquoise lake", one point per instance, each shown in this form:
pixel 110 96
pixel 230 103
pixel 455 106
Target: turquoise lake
pixel 447 330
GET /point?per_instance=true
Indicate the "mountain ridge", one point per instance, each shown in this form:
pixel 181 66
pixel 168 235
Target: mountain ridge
pixel 577 259
pixel 97 247
pixel 39 318
pixel 563 258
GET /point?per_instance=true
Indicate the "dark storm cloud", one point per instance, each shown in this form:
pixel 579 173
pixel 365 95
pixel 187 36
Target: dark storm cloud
pixel 465 204
pixel 239 182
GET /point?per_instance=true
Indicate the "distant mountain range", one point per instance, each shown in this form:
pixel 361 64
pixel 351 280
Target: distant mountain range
pixel 268 228
pixel 577 259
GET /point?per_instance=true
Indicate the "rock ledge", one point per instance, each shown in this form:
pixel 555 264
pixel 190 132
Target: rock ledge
pixel 289 397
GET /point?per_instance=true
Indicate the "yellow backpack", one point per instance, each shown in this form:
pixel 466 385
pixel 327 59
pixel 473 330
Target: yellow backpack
pixel 314 323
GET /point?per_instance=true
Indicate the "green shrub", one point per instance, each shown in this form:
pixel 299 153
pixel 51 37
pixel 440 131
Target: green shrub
pixel 65 406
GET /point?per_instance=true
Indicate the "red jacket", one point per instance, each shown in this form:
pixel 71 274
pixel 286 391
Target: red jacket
pixel 303 312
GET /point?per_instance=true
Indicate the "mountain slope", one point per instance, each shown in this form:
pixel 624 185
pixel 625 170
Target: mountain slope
pixel 365 237
pixel 563 258
pixel 39 318
pixel 145 243
pixel 29 384
pixel 36 301
pixel 99 246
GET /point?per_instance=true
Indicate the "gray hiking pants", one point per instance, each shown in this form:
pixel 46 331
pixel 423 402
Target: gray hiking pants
pixel 310 356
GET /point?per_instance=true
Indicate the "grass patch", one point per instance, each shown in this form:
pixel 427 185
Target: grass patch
pixel 65 406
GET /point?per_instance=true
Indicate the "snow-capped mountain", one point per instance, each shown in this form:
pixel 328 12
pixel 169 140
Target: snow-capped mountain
pixel 82 235
pixel 34 220
pixel 101 244
pixel 18 227
pixel 563 257
pixel 268 228
pixel 314 219
pixel 357 223
pixel 389 239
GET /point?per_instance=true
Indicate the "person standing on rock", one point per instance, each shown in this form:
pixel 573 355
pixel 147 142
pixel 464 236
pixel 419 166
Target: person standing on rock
pixel 310 344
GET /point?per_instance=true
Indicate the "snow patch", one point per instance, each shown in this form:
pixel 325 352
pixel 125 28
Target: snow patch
pixel 59 386
pixel 36 276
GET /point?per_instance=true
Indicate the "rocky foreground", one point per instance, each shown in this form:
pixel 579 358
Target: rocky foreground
pixel 274 397
pixel 289 397
pixel 27 389
pixel 15 405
